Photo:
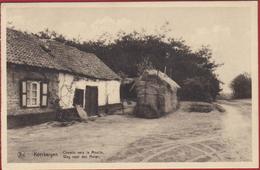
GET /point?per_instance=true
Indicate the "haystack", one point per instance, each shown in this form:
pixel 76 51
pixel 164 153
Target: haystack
pixel 156 94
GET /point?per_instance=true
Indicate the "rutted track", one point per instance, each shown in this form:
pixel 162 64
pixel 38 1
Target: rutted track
pixel 181 136
pixel 232 142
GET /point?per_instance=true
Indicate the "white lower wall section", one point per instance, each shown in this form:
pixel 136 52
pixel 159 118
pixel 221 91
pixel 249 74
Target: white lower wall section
pixel 107 90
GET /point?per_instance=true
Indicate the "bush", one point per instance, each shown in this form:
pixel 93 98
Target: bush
pixel 196 89
pixel 241 86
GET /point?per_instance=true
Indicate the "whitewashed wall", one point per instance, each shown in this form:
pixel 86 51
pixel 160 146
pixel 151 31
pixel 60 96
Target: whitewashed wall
pixel 67 86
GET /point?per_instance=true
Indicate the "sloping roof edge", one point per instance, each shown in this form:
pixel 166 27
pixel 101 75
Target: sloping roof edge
pixel 26 49
pixel 163 77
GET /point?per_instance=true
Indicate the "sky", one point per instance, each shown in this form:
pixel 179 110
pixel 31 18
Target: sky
pixel 228 30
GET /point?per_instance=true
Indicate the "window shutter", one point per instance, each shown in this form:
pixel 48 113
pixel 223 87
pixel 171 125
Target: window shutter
pixel 23 92
pixel 44 94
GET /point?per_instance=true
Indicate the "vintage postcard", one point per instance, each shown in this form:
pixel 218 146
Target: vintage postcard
pixel 124 85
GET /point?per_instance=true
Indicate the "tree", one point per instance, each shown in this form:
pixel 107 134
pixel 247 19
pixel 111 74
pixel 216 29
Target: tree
pixel 241 86
pixel 130 53
pixel 144 65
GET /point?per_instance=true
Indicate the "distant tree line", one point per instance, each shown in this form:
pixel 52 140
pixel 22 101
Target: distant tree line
pixel 130 53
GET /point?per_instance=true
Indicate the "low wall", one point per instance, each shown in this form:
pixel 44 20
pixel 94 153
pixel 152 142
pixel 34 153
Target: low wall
pixel 110 109
pixel 18 121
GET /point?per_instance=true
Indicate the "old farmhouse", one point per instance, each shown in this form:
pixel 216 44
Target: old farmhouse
pixel 46 75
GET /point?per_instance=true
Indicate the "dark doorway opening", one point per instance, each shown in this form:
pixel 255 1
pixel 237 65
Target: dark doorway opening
pixel 78 97
pixel 91 100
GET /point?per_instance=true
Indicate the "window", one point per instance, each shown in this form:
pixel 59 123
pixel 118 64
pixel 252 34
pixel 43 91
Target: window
pixel 34 93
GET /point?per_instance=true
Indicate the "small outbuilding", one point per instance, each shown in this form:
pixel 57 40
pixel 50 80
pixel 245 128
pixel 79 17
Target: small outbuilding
pixel 156 94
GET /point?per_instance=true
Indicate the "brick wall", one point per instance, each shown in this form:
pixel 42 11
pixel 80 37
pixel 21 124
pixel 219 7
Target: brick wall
pixel 17 73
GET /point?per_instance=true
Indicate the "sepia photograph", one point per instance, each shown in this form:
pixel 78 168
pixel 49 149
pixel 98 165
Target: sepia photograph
pixel 148 84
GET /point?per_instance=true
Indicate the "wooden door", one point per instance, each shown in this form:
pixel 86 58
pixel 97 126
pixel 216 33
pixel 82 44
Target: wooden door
pixel 91 100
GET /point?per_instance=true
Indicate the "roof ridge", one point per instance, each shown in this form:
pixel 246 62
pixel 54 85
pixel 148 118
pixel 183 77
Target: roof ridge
pixel 24 48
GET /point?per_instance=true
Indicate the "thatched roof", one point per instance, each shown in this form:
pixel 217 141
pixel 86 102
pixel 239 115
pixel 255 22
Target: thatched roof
pixel 27 49
pixel 163 77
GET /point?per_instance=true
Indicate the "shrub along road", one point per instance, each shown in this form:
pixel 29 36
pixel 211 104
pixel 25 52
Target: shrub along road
pixel 178 137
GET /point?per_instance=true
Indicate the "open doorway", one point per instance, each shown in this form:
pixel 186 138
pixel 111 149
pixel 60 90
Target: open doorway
pixel 91 100
pixel 78 97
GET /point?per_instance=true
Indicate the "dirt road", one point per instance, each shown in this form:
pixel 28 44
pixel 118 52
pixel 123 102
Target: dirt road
pixel 237 129
pixel 178 137
pixel 229 140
